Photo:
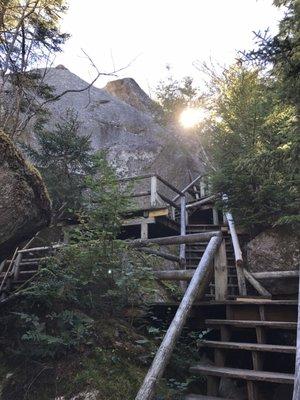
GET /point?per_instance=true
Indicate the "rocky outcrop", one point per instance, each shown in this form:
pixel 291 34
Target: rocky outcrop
pixel 121 119
pixel 131 93
pixel 25 206
pixel 276 249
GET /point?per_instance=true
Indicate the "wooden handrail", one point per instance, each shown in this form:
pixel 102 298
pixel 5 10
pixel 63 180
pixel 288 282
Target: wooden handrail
pixel 196 287
pixel 201 202
pixel 169 185
pixel 237 251
pixel 184 190
pixel 169 240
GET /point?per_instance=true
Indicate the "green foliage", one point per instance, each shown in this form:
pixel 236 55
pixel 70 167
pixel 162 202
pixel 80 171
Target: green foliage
pixel 254 146
pixel 282 51
pixel 95 276
pixel 29 37
pixel 64 158
pixel 175 95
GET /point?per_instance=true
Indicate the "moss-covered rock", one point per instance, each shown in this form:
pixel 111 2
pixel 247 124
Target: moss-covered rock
pixel 25 206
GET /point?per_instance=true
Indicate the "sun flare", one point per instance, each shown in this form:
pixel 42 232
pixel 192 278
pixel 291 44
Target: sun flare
pixel 190 117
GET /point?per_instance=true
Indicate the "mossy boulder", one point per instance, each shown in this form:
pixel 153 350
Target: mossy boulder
pixel 25 207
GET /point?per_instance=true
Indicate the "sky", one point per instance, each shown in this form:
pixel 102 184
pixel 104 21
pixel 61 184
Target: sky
pixel 147 35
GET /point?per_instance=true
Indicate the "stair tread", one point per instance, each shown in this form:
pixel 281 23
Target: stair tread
pixel 246 374
pixel 251 323
pixel 249 346
pixel 202 397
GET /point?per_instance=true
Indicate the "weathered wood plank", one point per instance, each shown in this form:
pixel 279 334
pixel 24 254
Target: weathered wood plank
pixel 269 348
pixel 275 274
pixel 244 374
pixel 251 324
pixel 221 273
pixel 161 254
pixel 190 238
pixel 201 202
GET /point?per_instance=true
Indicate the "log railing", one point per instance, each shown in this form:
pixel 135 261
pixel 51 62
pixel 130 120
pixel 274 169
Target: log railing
pixel 196 288
pixel 237 250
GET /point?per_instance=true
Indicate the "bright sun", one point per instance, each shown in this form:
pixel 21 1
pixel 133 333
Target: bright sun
pixel 191 117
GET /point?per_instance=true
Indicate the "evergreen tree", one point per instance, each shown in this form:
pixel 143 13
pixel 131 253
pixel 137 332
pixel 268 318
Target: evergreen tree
pixel 282 51
pixel 64 158
pixel 175 95
pixel 29 37
pixel 253 142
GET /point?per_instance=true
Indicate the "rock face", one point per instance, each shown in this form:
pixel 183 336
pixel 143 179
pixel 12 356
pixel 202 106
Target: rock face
pixel 25 206
pixel 131 93
pixel 276 249
pixel 121 119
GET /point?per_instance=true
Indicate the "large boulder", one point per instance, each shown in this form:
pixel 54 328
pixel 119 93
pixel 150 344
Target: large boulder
pixel 122 120
pixel 276 249
pixel 25 207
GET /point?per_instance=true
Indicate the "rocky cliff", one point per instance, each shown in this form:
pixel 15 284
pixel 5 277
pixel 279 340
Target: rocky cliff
pixel 122 119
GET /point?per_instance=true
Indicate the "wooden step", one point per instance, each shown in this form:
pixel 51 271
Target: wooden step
pixel 245 374
pixel 272 348
pixel 202 397
pixel 250 324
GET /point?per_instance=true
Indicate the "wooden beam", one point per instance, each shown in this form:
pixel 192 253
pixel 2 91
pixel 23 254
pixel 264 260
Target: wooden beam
pixel 135 178
pixel 169 185
pixel 258 286
pixel 188 187
pixel 221 273
pixel 153 195
pixel 190 238
pixel 138 221
pixel 144 230
pixel 275 274
pixel 182 227
pixel 167 200
pixel 199 203
pixel 196 287
pixel 141 194
pixel 175 275
pixel 162 254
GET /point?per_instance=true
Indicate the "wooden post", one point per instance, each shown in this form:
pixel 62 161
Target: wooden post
pixel 296 393
pixel 16 267
pixel 153 196
pixel 196 287
pixel 202 188
pixel 144 230
pixel 215 216
pixel 221 273
pixel 237 251
pixel 182 227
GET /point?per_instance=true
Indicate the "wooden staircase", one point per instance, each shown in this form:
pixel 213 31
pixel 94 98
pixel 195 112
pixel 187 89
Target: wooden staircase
pixel 249 348
pixel 22 268
pixel 195 251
